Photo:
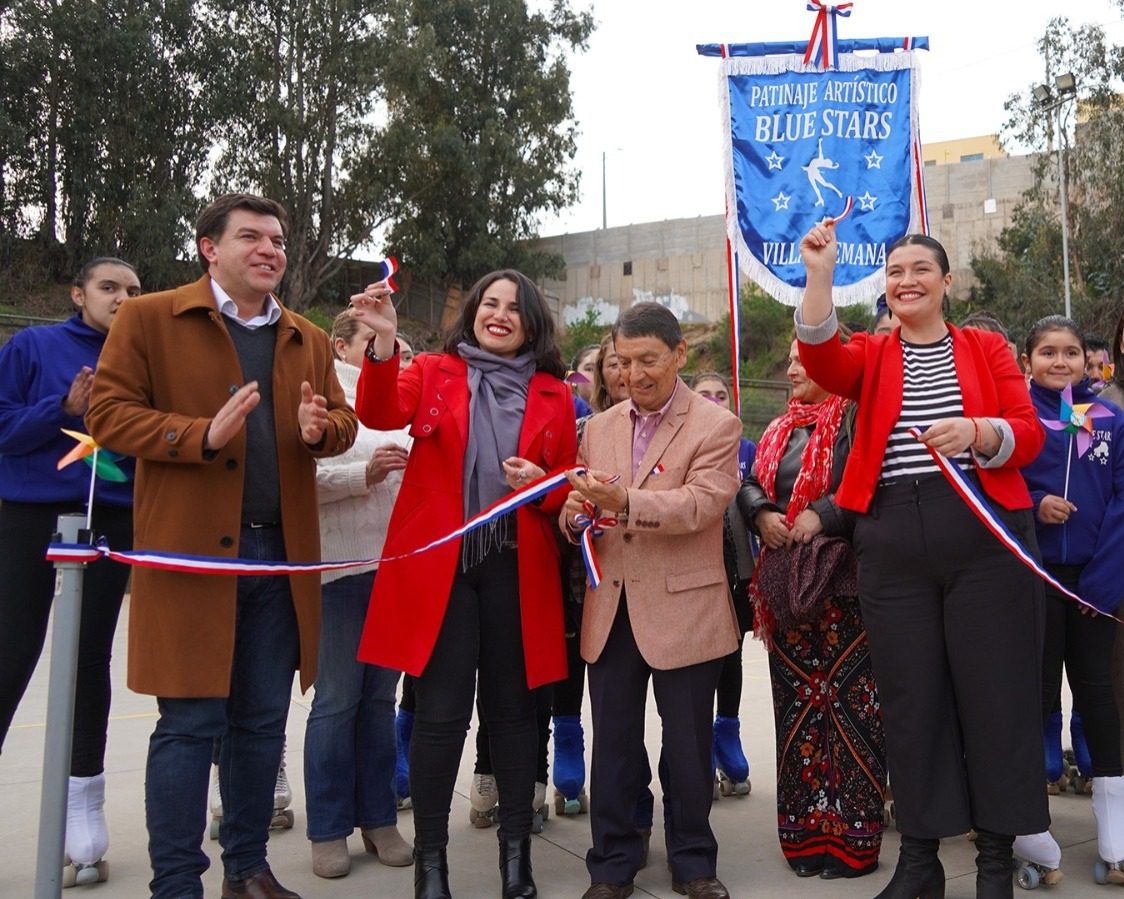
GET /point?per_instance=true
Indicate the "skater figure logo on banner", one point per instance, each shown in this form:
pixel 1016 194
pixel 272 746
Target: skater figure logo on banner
pixel 816 177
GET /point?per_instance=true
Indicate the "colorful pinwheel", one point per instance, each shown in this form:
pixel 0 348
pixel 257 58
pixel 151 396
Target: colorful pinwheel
pixel 101 461
pixel 1077 421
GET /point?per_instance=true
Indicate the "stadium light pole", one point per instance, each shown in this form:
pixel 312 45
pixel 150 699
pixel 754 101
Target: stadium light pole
pixel 1066 87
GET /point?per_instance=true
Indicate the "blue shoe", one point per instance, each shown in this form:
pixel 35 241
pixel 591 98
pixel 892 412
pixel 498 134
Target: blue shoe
pixel 569 765
pixel 403 730
pixel 729 758
pixel 1052 742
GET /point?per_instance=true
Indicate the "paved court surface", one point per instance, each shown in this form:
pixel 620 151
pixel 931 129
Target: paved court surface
pixel 749 860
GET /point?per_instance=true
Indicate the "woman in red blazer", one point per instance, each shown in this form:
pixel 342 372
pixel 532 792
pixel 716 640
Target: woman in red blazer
pixel 954 620
pixel 489 414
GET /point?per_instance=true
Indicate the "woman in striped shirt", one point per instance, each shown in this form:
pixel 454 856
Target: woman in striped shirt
pixel 954 620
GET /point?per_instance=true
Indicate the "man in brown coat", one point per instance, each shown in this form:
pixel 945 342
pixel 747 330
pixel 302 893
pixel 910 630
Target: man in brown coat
pixel 663 608
pixel 226 399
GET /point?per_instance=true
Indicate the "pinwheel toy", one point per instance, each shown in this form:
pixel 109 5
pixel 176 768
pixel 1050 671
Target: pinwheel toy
pixel 1077 421
pixel 103 464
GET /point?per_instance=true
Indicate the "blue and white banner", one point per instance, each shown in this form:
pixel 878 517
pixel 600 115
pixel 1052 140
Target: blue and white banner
pixel 803 145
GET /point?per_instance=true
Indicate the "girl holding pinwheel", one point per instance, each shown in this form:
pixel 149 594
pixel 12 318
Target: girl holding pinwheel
pixel 45 379
pixel 1077 484
pixel 953 618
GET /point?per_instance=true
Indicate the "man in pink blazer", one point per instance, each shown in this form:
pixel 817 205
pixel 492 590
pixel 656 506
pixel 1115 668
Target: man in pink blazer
pixel 665 466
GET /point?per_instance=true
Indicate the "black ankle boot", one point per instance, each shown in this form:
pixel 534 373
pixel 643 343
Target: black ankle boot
pixel 431 874
pixel 994 865
pixel 919 874
pixel 515 868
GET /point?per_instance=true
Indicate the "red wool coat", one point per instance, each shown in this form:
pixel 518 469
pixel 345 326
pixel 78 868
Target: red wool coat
pixel 410 596
pixel 870 369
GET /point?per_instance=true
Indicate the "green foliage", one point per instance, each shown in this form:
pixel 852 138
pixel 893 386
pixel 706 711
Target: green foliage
pixel 586 331
pixel 297 119
pixel 1022 278
pixel 103 130
pixel 480 133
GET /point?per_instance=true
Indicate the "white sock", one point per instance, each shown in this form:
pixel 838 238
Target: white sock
pixel 1108 809
pixel 1040 848
pixel 87 837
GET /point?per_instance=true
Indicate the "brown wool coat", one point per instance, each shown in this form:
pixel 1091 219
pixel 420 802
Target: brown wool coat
pixel 167 367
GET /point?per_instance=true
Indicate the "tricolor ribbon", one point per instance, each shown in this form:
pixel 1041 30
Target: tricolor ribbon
pixel 389 270
pixel 182 562
pixel 981 508
pixel 593 524
pixel 823 45
pixel 836 219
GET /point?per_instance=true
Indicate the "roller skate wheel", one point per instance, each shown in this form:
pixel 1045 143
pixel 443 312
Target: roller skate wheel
pixel 213 829
pixel 405 802
pixel 283 818
pixel 480 819
pixel 82 875
pixel 1081 785
pixel 1100 872
pixel 1027 877
pixel 538 821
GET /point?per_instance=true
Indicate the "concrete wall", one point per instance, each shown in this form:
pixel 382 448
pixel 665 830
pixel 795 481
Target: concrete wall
pixel 682 262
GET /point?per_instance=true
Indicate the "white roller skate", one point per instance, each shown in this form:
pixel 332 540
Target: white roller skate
pixel 87 837
pixel 540 810
pixel 1108 809
pixel 214 802
pixel 283 816
pixel 1038 859
pixel 485 800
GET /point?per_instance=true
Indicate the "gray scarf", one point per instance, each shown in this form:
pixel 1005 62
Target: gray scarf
pixel 497 399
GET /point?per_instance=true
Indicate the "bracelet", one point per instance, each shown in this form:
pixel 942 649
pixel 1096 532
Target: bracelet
pixel 978 442
pixel 370 352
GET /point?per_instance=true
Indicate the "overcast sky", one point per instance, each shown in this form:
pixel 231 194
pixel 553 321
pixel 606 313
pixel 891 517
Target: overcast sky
pixel 646 99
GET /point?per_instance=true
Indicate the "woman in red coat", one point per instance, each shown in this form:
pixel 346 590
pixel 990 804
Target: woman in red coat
pixel 953 619
pixel 489 414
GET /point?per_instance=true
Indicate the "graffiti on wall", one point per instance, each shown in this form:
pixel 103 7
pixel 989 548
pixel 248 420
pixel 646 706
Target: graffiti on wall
pixel 606 312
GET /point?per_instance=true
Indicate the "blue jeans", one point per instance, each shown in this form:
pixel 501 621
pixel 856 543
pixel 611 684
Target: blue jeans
pixel 349 748
pixel 251 724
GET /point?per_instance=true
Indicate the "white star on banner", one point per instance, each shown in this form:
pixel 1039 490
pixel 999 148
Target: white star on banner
pixel 866 202
pixel 774 161
pixel 780 201
pixel 873 160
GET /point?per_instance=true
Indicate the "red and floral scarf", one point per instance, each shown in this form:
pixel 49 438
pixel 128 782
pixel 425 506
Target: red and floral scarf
pixel 778 571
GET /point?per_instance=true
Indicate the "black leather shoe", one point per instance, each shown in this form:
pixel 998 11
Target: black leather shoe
pixel 515 868
pixel 431 874
pixel 261 886
pixel 808 869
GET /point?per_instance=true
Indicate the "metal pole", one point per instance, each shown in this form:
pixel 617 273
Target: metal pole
pixel 60 715
pixel 604 200
pixel 1065 209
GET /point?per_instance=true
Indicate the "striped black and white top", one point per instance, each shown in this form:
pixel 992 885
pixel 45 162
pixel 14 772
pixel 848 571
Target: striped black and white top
pixel 930 392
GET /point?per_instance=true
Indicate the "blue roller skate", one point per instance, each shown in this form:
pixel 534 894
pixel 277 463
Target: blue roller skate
pixel 1080 777
pixel 403 730
pixel 569 766
pixel 729 759
pixel 1057 769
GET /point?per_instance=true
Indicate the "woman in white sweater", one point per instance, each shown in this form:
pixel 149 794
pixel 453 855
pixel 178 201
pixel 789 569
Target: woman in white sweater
pixel 349 749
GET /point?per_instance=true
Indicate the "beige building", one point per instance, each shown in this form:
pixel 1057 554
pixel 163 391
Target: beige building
pixel 963 149
pixel 682 262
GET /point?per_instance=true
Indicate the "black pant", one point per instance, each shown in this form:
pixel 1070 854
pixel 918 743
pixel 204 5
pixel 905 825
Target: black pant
pixel 1084 644
pixel 955 624
pixel 618 689
pixel 27 588
pixel 481 633
pixel 543 696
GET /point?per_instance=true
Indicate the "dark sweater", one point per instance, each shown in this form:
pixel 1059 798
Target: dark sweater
pixel 261 488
